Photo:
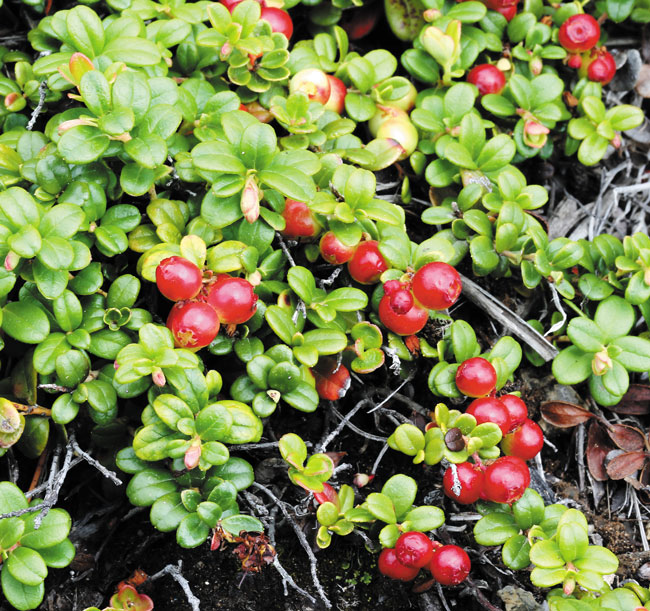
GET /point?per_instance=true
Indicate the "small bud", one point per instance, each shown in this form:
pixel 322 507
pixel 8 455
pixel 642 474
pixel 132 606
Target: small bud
pixel 601 363
pixel 616 141
pixel 158 377
pixel 274 395
pixel 250 200
pixel 535 134
pixel 431 14
pixel 255 278
pixel 362 479
pixel 504 64
pixel 568 586
pixel 192 456
pixel 536 66
pixel 11 261
pixel 79 64
pixel 225 51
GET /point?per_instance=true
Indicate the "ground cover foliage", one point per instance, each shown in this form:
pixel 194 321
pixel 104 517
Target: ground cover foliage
pixel 237 364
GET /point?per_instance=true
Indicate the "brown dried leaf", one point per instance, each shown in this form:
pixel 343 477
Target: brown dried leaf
pixel 626 437
pixel 635 401
pixel 564 415
pixel 643 83
pixel 625 464
pixel 598 446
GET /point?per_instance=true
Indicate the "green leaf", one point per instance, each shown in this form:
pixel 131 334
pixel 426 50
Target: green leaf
pixel 515 552
pixel 635 355
pixel 148 486
pixel 289 181
pixel 423 518
pixel 19 595
pixel 598 559
pixel 495 529
pixel 85 30
pixel 214 422
pixel 257 146
pixel 27 566
pixel 586 334
pixel 572 541
pixel 572 366
pixel 326 341
pixel 401 489
pixel 235 524
pixel 615 317
pixel 54 528
pixel 192 531
pixel 381 507
pixel 25 322
pixel 302 283
pixel 529 509
pixel 463 340
pixel 347 300
pixel 546 554
pixel 133 51
pixel 82 144
pixel 167 512
pixel 60 555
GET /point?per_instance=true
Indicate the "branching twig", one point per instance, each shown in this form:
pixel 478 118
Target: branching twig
pixel 509 319
pixel 323 446
pixel 90 460
pixel 302 539
pixel 392 393
pixel 174 571
pixel 42 92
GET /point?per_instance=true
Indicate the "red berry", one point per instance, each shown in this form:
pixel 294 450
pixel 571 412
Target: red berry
pixel 525 442
pixel 401 301
pixel 391 286
pixel 299 220
pixel 332 382
pixel 390 566
pixel 338 91
pixel 178 278
pixel 280 20
pixel 602 69
pixel 414 549
pixel 436 285
pixel 579 33
pixel 360 21
pixel 450 565
pixel 488 79
pixel 574 61
pixel 233 299
pixel 508 8
pixel 516 409
pixel 506 479
pixel 476 377
pixel 194 324
pixel 490 409
pixel 471 479
pixel 334 251
pixel 403 324
pixel 367 263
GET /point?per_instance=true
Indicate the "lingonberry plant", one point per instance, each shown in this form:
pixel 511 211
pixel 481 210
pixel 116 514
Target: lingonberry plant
pixel 217 229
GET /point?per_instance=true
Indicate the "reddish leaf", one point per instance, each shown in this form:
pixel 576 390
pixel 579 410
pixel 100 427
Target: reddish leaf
pixel 626 437
pixel 598 446
pixel 635 401
pixel 625 464
pixel 564 415
pixel 424 586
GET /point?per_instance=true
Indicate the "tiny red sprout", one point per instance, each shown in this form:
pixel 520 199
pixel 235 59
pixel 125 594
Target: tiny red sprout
pixel 313 82
pixel 401 301
pixel 328 494
pixel 332 383
pixel 127 597
pixel 579 33
pixel 516 409
pixel 470 478
pixel 279 20
pixel 178 278
pixel 490 409
pixel 506 479
pixel 525 442
pixel 362 479
pixel 367 263
pixel 488 79
pixel 338 91
pixel 233 299
pixel 299 220
pixel 414 549
pixel 437 285
pixel 602 69
pixel 450 565
pixel 194 324
pixel 403 132
pixel 390 566
pixel 402 324
pixel 476 377
pixel 333 250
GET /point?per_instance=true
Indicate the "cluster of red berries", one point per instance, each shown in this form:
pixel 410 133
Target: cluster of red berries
pixel 449 564
pixel 404 308
pixel 579 35
pixel 503 481
pixel 279 20
pixel 200 307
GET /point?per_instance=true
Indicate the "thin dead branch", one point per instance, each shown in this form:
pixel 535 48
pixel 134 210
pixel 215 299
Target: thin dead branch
pixel 174 571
